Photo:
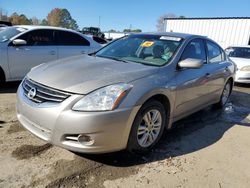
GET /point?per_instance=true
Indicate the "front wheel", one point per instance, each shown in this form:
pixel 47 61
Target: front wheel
pixel 148 127
pixel 225 95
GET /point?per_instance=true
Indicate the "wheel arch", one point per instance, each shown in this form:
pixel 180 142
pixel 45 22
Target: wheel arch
pixel 231 80
pixel 163 98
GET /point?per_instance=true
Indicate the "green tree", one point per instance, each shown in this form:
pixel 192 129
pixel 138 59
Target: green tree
pixel 35 21
pixel 127 30
pixel 24 20
pixel 161 23
pixel 112 30
pixel 137 30
pixel 53 18
pixel 61 18
pixel 16 19
pixel 132 30
pixel 66 20
pixel 44 22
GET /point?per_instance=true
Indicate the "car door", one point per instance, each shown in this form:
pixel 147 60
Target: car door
pixel 192 87
pixel 71 44
pixel 40 48
pixel 218 69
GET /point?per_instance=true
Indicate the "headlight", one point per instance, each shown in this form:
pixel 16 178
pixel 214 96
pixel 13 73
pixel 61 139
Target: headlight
pixel 103 99
pixel 246 68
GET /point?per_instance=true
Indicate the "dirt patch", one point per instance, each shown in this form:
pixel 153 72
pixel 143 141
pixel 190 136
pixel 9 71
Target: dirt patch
pixel 89 173
pixel 28 151
pixel 15 127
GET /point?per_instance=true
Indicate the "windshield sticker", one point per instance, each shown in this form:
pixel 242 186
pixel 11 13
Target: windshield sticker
pixel 170 38
pixel 147 44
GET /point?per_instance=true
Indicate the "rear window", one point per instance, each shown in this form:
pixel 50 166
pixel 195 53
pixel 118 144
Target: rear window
pixel 65 38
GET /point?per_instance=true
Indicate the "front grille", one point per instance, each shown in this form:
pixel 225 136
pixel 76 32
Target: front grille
pixel 43 93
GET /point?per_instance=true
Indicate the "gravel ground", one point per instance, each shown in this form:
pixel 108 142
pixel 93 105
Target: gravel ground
pixel 207 149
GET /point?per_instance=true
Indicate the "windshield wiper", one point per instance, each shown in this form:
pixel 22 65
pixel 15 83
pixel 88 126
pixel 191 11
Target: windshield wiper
pixel 114 58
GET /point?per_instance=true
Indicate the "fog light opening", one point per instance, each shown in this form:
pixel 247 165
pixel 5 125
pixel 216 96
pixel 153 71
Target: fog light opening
pixel 85 139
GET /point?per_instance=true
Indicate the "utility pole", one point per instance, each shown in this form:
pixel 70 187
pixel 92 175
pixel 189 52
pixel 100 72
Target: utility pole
pixel 99 22
pixel 130 27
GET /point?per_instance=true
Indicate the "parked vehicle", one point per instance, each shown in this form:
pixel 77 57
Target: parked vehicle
pixel 241 56
pixel 23 47
pixel 95 31
pixel 5 23
pixel 126 94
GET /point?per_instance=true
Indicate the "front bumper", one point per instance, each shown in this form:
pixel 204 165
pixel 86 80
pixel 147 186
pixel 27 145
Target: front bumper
pixel 242 77
pixel 108 130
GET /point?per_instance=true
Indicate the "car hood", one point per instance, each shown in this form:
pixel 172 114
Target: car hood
pixel 83 74
pixel 240 62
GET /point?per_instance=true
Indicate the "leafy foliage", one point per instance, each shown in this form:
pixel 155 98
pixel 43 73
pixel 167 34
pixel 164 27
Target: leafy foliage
pixel 57 17
pixel 19 19
pixel 160 22
pixel 132 30
pixel 61 18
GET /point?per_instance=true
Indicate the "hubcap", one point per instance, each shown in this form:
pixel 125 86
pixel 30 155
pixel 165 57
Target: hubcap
pixel 149 128
pixel 225 94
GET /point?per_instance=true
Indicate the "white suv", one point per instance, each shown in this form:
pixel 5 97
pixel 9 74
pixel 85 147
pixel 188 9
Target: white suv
pixel 24 47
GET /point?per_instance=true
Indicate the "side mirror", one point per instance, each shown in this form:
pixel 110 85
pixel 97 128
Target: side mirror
pixel 19 42
pixel 191 63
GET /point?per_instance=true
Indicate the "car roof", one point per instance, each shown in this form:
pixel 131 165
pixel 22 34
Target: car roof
pixel 30 27
pixel 172 34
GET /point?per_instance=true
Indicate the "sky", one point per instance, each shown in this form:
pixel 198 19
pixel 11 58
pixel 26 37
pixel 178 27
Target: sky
pixel 118 15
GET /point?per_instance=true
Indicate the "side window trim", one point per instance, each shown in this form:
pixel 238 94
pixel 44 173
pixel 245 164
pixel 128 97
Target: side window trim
pixel 223 55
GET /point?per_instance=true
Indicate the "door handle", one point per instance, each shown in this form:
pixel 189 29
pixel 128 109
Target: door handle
pixel 208 75
pixel 83 52
pixel 52 52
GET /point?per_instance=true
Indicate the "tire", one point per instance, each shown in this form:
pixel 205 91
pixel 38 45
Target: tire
pixel 150 130
pixel 225 95
pixel 2 77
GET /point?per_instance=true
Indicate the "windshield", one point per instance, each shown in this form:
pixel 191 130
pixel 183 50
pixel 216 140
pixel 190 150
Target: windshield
pixel 10 32
pixel 146 49
pixel 241 52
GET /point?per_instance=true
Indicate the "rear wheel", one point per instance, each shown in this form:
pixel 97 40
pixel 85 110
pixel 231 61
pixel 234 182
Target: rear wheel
pixel 2 77
pixel 148 127
pixel 225 95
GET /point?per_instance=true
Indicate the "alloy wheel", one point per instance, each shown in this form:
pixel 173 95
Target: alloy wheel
pixel 149 128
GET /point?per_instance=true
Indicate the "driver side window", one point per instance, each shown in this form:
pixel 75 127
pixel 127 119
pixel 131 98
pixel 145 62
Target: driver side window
pixel 195 50
pixel 38 38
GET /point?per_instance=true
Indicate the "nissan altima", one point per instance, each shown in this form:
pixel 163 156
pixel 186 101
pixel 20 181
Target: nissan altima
pixel 126 94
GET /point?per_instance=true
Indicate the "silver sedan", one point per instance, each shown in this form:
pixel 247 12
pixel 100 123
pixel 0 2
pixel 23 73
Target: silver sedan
pixel 240 55
pixel 126 94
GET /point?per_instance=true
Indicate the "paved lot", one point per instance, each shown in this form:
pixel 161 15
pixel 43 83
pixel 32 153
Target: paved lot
pixel 208 149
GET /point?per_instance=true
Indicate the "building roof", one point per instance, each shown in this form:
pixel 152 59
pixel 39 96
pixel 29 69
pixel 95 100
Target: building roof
pixel 207 18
